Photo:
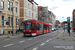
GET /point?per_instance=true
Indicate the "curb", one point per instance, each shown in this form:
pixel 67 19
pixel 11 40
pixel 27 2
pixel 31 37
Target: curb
pixel 11 37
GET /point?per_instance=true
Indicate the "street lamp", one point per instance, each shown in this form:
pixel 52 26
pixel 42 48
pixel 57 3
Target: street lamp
pixel 16 25
pixel 12 17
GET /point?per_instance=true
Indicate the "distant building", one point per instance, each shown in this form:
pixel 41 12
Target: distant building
pixel 45 15
pixel 64 24
pixel 71 24
pixel 73 13
pixel 53 19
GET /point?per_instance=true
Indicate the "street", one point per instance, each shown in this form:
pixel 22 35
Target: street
pixel 41 42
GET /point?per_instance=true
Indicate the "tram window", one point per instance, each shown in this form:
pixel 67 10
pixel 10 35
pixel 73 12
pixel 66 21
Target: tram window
pixel 45 27
pixel 27 25
pixel 32 26
pixel 50 27
pixel 37 27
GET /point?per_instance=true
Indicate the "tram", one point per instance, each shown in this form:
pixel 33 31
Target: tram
pixel 35 27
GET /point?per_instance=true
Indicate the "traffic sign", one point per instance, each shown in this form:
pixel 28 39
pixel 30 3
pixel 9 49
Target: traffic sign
pixel 7 23
pixel 68 19
pixel 68 22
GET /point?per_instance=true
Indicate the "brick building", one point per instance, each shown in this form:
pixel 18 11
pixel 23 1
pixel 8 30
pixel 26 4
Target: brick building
pixel 73 18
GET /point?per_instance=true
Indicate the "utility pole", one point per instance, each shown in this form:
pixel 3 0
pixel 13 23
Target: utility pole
pixel 16 25
pixel 12 19
pixel 68 21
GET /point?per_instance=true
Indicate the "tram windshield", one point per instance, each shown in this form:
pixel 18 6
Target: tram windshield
pixel 27 25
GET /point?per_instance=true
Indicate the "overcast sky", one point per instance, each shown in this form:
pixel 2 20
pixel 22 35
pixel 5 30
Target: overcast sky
pixel 61 8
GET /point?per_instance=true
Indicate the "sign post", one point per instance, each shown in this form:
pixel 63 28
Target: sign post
pixel 68 21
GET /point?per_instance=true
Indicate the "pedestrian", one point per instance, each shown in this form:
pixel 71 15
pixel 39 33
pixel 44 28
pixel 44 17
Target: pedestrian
pixel 64 29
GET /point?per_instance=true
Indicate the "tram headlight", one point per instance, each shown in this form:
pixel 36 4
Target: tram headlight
pixel 33 34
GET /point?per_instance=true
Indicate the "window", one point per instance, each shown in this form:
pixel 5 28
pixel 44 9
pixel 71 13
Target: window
pixel 27 25
pixel 30 4
pixel 8 5
pixel 2 21
pixel 33 26
pixel 26 11
pixel 30 13
pixel 11 4
pixel 34 14
pixel 2 4
pixel 50 27
pixel 45 27
pixel 37 15
pixel 34 6
pixel 37 27
pixel 16 10
pixel 16 7
pixel 26 2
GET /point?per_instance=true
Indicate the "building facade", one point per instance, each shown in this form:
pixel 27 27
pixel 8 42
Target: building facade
pixel 9 9
pixel 73 13
pixel 51 18
pixel 28 10
pixel 43 14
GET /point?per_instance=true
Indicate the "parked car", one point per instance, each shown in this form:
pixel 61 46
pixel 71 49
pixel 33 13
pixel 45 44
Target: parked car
pixel 53 29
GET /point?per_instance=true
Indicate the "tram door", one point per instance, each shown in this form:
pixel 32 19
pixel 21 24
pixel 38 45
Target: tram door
pixel 41 28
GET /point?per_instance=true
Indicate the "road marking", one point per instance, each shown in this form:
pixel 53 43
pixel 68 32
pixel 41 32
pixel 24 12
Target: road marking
pixel 42 35
pixel 50 39
pixel 21 41
pixel 30 39
pixel 35 37
pixel 42 44
pixel 34 48
pixel 8 45
pixel 59 34
pixel 38 36
pixel 47 41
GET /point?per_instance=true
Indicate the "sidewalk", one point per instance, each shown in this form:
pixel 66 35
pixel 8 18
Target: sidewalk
pixel 10 36
pixel 65 35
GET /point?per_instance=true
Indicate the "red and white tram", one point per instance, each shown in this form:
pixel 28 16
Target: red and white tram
pixel 34 27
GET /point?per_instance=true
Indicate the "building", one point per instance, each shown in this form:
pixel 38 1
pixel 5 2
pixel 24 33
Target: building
pixel 40 18
pixel 57 24
pixel 9 9
pixel 53 19
pixel 43 14
pixel 71 24
pixel 65 24
pixel 28 10
pixel 73 18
